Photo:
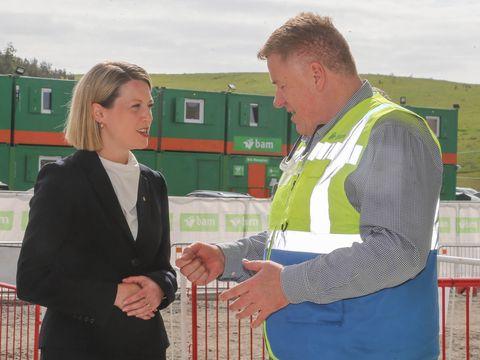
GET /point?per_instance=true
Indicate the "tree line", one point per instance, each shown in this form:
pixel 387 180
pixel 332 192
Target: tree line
pixel 9 62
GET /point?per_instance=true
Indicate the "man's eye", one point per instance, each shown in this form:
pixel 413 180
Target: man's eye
pixel 136 106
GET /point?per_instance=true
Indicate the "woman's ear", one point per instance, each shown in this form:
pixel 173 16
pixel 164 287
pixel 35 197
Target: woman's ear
pixel 98 113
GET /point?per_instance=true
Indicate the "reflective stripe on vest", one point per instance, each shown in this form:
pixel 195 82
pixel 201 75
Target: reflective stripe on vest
pixel 346 152
pixel 303 241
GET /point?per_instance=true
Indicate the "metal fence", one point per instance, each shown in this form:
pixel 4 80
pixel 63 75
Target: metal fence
pixel 19 326
pixel 202 327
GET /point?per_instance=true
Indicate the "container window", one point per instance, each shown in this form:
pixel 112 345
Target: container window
pixel 193 111
pixel 254 115
pixel 434 123
pixel 46 101
pixel 44 160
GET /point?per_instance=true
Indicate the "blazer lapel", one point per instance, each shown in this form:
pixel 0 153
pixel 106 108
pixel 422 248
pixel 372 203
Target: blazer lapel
pixel 149 228
pixel 104 190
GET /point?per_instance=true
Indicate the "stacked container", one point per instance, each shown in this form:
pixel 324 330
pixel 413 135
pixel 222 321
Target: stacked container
pixel 192 139
pixel 6 102
pixel 40 109
pixel 256 142
pixel 192 121
pixel 255 127
pixel 186 172
pixel 444 124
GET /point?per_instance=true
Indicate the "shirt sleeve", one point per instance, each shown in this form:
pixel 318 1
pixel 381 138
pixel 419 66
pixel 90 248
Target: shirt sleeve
pixel 395 188
pixel 251 248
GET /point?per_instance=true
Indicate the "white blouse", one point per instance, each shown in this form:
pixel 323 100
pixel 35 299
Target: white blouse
pixel 125 179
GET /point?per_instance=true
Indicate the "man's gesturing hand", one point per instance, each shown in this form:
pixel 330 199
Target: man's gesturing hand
pixel 201 263
pixel 261 294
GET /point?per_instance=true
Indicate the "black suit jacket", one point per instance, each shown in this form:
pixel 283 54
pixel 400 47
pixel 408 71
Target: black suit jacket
pixel 78 247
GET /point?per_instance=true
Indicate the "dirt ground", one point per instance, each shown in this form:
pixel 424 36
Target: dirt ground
pixel 221 347
pixel 231 339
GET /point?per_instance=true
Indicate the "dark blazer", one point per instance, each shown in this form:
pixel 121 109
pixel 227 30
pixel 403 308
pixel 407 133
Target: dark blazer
pixel 78 247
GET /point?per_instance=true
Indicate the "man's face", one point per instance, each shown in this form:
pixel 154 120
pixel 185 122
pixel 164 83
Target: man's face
pixel 296 91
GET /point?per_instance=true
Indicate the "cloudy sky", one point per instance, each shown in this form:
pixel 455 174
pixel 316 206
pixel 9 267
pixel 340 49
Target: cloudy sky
pixel 437 39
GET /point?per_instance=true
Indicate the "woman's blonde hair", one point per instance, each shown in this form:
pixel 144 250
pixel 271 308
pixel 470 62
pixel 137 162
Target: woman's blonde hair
pixel 100 85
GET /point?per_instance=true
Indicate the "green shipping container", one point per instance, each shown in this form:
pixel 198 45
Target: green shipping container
pixel 444 124
pixel 190 120
pixel 5 163
pixel 41 107
pixel 255 126
pixel 449 182
pixel 186 172
pixel 6 96
pixel 292 133
pixel 146 157
pixel 27 161
pixel 256 175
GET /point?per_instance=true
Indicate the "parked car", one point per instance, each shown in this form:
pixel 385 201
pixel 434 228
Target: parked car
pixel 467 194
pixel 218 194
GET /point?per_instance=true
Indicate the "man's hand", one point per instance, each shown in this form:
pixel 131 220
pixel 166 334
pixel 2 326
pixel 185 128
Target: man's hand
pixel 144 303
pixel 261 294
pixel 201 263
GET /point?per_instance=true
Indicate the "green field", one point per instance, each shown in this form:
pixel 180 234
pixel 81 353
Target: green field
pixel 419 92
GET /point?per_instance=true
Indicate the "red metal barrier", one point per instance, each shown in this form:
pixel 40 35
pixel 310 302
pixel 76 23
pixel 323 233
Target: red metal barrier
pixel 463 285
pixel 19 326
pixel 225 339
pixel 255 348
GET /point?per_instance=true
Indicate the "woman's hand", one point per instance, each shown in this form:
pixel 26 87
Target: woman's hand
pixel 124 291
pixel 144 303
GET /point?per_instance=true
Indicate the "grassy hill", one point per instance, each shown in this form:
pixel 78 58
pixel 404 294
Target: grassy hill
pixel 419 92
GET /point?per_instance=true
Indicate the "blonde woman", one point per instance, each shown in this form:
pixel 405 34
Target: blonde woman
pixel 96 250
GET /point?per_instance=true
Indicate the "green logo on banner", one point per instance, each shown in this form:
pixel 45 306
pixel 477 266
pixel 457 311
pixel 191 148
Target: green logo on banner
pixel 6 220
pixel 243 223
pixel 170 219
pixel 251 143
pixel 468 225
pixel 199 222
pixel 24 220
pixel 444 225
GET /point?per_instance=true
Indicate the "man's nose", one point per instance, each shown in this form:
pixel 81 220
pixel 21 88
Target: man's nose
pixel 278 100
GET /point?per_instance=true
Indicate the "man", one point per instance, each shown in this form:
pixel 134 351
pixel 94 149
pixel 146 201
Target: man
pixel 349 269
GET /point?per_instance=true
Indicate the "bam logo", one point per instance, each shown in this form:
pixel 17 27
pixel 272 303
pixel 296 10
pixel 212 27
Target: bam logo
pixel 336 137
pixel 444 225
pixel 243 223
pixel 6 220
pixel 198 222
pixel 257 144
pixel 468 225
pixel 248 143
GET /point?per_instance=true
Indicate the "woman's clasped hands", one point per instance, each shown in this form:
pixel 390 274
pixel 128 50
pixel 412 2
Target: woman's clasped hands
pixel 139 296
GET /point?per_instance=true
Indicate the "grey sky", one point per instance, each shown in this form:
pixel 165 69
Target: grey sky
pixel 437 39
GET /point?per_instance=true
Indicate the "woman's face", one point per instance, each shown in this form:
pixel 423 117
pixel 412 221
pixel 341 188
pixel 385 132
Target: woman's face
pixel 126 125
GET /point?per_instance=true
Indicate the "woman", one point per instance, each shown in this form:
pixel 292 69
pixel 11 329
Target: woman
pixel 96 250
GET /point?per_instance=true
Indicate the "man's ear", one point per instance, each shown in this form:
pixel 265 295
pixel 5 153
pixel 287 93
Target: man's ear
pixel 319 74
pixel 98 112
